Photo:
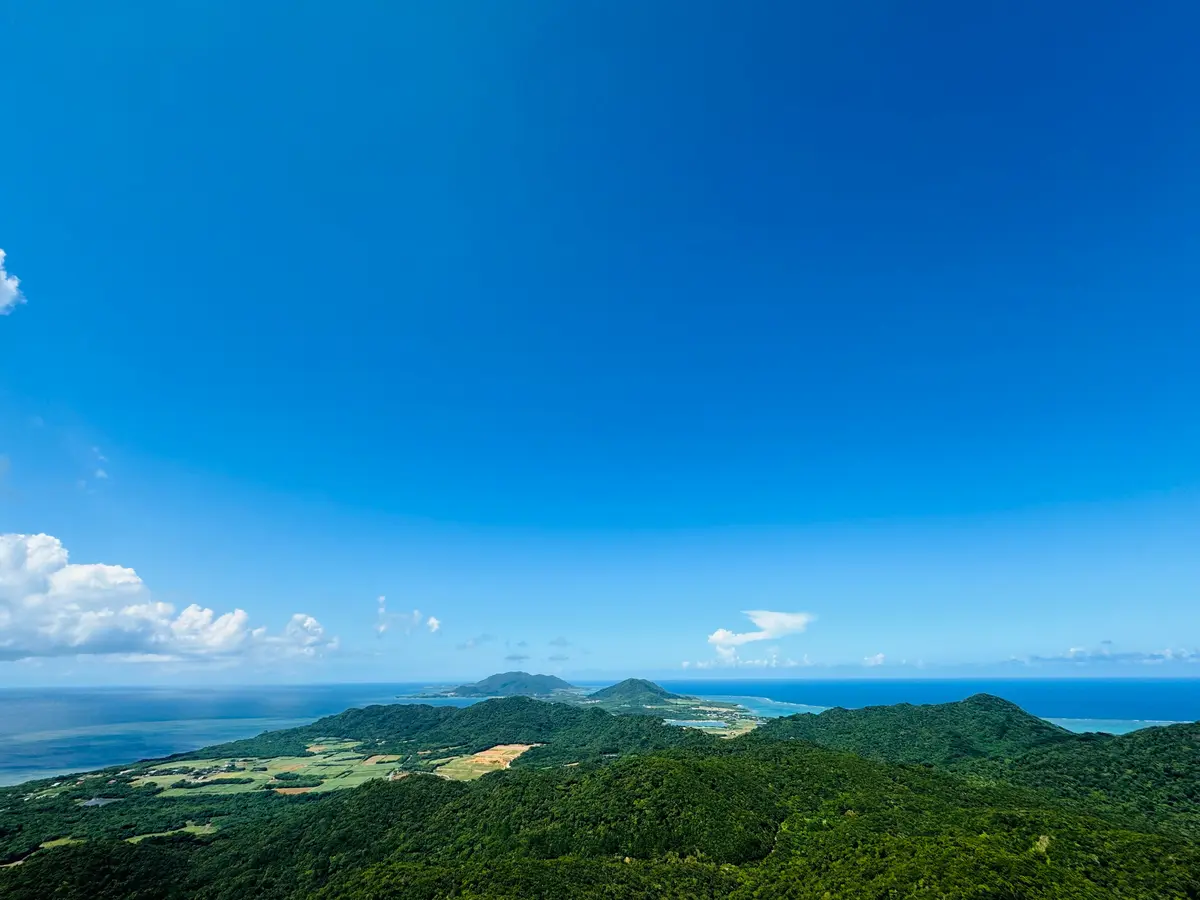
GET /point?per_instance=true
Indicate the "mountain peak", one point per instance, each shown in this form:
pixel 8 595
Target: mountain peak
pixel 635 690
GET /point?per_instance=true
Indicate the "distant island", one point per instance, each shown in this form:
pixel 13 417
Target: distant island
pixel 513 684
pixel 636 696
pixel 636 690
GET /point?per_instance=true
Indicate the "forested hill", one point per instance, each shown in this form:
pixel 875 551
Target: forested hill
pixel 740 821
pixel 510 684
pixel 636 691
pixel 944 734
pixel 1152 774
pixel 1001 806
pixel 563 733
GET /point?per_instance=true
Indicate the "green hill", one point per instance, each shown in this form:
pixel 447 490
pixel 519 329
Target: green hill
pixel 944 734
pixel 635 692
pixel 1153 774
pixel 513 684
pixel 734 820
pixel 974 800
pixel 566 733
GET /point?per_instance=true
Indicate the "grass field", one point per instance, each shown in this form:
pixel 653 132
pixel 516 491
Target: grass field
pixel 189 828
pixel 337 763
pixel 60 842
pixel 467 768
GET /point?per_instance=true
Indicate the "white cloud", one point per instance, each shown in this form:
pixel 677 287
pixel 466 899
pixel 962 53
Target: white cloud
pixel 52 607
pixel 408 621
pixel 10 290
pixel 100 473
pixel 876 660
pixel 771 625
pixel 727 657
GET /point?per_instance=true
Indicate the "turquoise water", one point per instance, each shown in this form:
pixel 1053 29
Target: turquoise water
pixel 1116 706
pixel 770 709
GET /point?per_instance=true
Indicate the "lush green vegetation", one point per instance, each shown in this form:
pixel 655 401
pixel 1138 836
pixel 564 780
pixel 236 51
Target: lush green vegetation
pixel 945 734
pixel 636 691
pixel 1151 775
pixel 513 684
pixel 973 800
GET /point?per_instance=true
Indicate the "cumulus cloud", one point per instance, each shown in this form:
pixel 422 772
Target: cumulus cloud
pixel 10 289
pixel 876 660
pixel 433 623
pixel 771 625
pixel 50 606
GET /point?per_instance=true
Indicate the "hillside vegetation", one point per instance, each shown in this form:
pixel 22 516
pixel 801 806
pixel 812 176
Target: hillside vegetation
pixel 944 734
pixel 972 800
pixel 636 692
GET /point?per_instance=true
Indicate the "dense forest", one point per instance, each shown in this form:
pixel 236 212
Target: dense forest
pixel 969 800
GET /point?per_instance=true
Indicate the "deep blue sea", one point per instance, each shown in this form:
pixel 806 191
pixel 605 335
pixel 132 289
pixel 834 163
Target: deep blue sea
pixel 52 731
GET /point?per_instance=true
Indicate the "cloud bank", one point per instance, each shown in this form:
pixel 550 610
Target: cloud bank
pixel 1107 655
pixel 51 607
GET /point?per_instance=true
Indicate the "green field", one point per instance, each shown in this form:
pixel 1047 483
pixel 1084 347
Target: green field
pixel 337 763
pixel 189 828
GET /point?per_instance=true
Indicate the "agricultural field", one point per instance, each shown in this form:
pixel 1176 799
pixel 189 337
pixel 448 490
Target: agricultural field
pixel 189 828
pixel 468 768
pixel 333 765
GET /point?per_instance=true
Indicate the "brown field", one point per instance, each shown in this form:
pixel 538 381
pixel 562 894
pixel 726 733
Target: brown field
pixel 467 768
pixel 316 748
pixel 290 791
pixel 379 758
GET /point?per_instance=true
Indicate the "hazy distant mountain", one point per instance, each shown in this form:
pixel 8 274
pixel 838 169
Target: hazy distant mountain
pixel 509 684
pixel 636 692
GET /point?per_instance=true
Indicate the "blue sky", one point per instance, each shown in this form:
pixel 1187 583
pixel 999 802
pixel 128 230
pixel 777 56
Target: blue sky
pixel 588 329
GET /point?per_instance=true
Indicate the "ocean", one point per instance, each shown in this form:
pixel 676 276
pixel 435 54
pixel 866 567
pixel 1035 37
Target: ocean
pixel 53 731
